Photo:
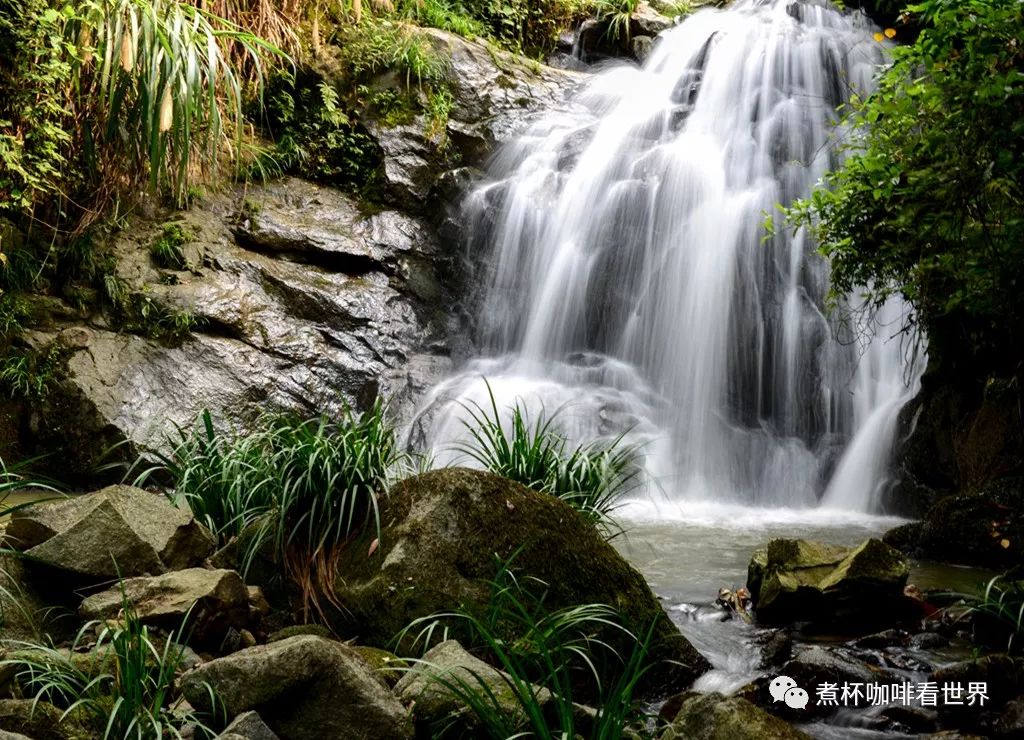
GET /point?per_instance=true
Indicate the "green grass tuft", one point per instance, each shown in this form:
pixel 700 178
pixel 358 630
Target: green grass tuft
pixel 592 478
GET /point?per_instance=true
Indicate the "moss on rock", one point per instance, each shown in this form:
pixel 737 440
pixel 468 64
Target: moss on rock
pixel 443 535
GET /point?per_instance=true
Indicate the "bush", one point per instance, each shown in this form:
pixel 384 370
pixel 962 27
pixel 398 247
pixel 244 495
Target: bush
pixel 555 651
pixel 592 478
pixel 302 488
pixel 930 202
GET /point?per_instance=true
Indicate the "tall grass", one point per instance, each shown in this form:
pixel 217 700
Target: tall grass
pixel 592 478
pixel 123 686
pixel 301 488
pixel 1002 602
pixel 547 657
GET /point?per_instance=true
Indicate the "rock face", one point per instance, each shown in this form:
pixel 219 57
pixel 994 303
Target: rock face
pixel 494 93
pixel 213 600
pixel 292 296
pixel 716 717
pixel 799 580
pixel 118 531
pixel 306 688
pixel 249 726
pixel 442 535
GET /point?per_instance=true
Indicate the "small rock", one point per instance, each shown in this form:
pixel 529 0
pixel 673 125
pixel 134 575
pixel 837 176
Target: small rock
pixel 716 717
pixel 1010 723
pixel 776 648
pixel 119 531
pixel 912 719
pixel 214 601
pixel 928 641
pixel 424 685
pixel 309 688
pixel 249 725
pixel 24 717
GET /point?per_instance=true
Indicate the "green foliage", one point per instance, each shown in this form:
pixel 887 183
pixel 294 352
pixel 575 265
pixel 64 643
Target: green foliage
pixel 301 488
pixel 591 478
pixel 930 202
pixel 1003 603
pixel 315 134
pixel 14 312
pixel 123 687
pixel 616 15
pixel 141 314
pixel 529 26
pixel 540 651
pixel 441 14
pixel 105 94
pixel 29 374
pixel 167 250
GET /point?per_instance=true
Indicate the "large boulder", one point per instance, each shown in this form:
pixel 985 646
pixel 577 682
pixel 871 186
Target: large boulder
pixel 799 580
pixel 118 531
pixel 305 688
pixel 213 600
pixel 248 726
pixel 442 537
pixel 716 717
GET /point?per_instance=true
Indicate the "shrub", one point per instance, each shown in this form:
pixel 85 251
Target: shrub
pixel 1001 611
pixel 120 687
pixel 592 478
pixel 302 488
pixel 540 651
pixel 929 202
pixel 167 249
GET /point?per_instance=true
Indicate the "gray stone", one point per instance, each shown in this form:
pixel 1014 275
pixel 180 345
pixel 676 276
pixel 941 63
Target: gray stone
pixel 250 726
pixel 118 531
pixel 494 95
pixel 426 687
pixel 716 717
pixel 213 600
pixel 305 688
pixel 817 665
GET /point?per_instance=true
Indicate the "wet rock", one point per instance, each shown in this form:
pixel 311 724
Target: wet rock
pixel 494 94
pixel 884 639
pixel 646 21
pixel 5 735
pixel 798 580
pixel 118 531
pixel 911 720
pixel 716 717
pixel 250 726
pixel 641 47
pixel 305 688
pixel 1003 677
pixel 424 687
pixel 776 648
pixel 213 600
pixel 442 534
pixel 1010 723
pixel 285 317
pixel 818 665
pixel 928 641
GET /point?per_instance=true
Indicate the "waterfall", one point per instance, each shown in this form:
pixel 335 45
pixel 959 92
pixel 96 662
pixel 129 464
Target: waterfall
pixel 626 276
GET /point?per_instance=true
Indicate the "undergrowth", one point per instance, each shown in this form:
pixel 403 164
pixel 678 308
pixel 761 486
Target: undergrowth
pixel 300 489
pixel 547 657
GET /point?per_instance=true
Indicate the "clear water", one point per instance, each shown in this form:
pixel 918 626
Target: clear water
pixel 627 279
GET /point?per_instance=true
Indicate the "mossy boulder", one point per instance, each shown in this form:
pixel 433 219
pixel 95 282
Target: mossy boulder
pixel 716 717
pixel 443 535
pixel 984 529
pixel 799 580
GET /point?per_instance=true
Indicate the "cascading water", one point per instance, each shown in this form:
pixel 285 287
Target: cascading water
pixel 626 276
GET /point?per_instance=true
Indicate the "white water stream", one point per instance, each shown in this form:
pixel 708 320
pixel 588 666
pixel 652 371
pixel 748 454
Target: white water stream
pixel 627 279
